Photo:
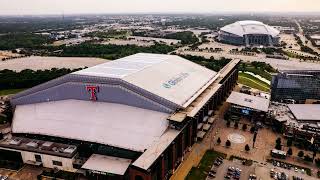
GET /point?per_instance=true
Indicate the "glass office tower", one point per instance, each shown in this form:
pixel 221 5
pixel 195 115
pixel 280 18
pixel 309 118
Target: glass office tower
pixel 296 85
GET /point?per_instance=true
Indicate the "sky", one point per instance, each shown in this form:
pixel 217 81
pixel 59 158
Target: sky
pixel 24 7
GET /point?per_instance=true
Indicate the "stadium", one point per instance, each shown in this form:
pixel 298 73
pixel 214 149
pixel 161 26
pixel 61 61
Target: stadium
pixel 132 118
pixel 249 33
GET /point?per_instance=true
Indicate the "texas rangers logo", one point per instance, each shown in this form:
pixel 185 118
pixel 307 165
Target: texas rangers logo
pixel 93 90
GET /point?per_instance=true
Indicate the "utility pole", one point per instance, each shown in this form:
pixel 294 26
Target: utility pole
pixel 255 137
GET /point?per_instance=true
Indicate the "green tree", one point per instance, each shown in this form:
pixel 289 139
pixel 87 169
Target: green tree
pixel 8 111
pixel 318 162
pixel 289 152
pixel 228 123
pixel 186 37
pixel 308 158
pixel 278 141
pixel 289 142
pixel 236 125
pixel 300 154
pixel 252 129
pixel 228 143
pixel 219 140
pixel 314 154
pixel 278 146
pixel 247 148
pixel 244 127
pixel 22 40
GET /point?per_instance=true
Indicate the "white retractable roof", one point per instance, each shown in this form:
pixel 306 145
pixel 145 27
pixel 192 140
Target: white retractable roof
pixel 170 77
pixel 111 124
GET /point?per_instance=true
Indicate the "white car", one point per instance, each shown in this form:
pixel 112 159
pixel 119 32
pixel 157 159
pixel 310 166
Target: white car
pixel 4 177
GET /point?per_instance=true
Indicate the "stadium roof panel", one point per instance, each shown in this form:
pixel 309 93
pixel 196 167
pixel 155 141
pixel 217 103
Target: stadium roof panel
pixel 108 164
pixel 170 77
pixel 151 154
pixel 242 28
pixel 305 112
pixel 99 122
pixel 249 101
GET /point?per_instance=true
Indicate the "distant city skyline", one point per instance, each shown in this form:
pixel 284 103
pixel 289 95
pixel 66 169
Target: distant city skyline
pixel 36 7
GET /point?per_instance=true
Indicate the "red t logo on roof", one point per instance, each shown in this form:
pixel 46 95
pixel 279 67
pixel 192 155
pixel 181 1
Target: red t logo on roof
pixel 93 90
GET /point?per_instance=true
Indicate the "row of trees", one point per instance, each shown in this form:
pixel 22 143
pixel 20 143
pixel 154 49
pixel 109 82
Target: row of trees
pixel 28 78
pixel 208 63
pixel 106 34
pixel 228 144
pixel 22 40
pixel 112 52
pixel 303 47
pixel 186 37
pixel 300 154
pixel 244 126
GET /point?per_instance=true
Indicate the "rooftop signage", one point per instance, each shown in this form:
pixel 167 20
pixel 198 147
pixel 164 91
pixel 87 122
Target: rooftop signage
pixel 93 90
pixel 175 80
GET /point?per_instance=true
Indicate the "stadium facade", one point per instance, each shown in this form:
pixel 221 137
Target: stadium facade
pixel 249 33
pixel 298 86
pixel 132 118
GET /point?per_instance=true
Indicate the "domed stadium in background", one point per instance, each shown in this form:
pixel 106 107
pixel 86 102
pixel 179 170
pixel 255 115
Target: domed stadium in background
pixel 249 33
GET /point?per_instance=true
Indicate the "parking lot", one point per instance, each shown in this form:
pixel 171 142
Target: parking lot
pixel 25 173
pixel 222 170
pixel 266 171
pixel 263 171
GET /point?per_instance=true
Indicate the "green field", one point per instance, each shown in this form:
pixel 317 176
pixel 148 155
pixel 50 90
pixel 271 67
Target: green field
pixel 253 82
pixel 10 91
pixel 259 72
pixel 200 172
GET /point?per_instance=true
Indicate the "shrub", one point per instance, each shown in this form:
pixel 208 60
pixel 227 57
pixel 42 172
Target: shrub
pixel 236 125
pixel 308 158
pixel 244 127
pixel 228 123
pixel 289 152
pixel 219 140
pixel 228 143
pixel 317 161
pixel 278 146
pixel 247 148
pixel 300 154
pixel 252 129
pixel 289 142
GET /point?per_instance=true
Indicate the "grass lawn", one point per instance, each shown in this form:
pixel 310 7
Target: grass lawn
pixel 290 54
pixel 10 91
pixel 200 172
pixel 253 82
pixel 259 72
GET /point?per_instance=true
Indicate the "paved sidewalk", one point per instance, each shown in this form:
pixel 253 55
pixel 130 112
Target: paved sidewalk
pixel 193 158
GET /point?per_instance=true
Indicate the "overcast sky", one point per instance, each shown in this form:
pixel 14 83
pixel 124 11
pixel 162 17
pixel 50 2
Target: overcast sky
pixel 21 7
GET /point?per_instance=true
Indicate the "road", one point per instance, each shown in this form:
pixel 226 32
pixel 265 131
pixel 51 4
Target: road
pixel 292 64
pixel 304 39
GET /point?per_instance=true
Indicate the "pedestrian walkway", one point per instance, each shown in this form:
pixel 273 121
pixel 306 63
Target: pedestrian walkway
pixel 192 159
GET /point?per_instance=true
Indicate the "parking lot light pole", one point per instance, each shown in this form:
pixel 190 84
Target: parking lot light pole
pixel 254 138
